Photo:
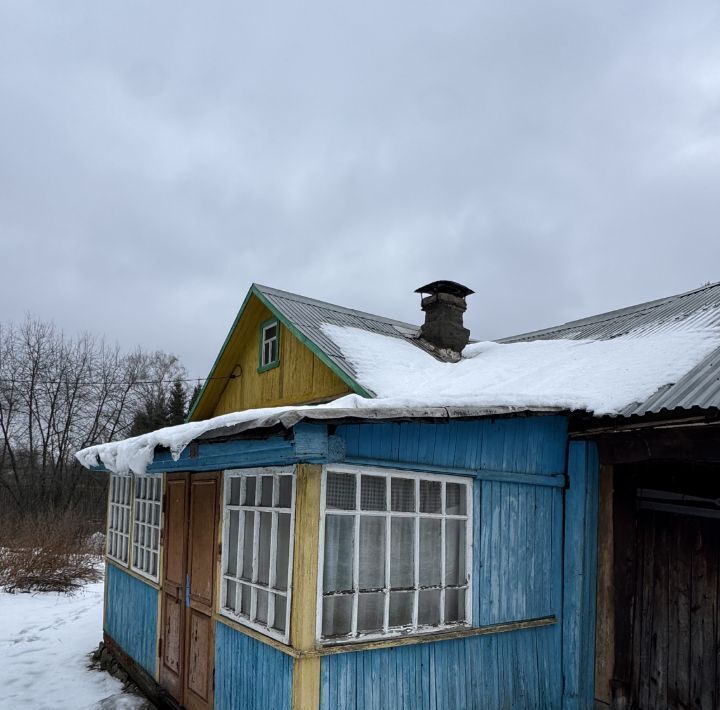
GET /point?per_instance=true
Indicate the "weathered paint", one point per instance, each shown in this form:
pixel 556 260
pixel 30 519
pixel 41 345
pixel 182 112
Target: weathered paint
pixel 580 574
pixel 306 671
pixel 310 444
pixel 300 378
pixel 518 552
pixel 131 616
pixel 250 674
pixel 508 670
pixel 517 570
pixel 215 456
pixel 532 445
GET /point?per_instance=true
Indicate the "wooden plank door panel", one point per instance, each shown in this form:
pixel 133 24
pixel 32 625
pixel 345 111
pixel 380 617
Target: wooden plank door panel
pixel 200 647
pixel 676 625
pixel 199 662
pixel 173 587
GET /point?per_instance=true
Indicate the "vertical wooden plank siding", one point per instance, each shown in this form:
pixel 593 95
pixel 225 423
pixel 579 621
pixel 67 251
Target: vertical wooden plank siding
pixel 300 377
pixel 519 445
pixel 605 623
pixel 250 674
pixel 580 574
pixel 131 616
pixel 306 671
pixel 490 672
pixel 517 573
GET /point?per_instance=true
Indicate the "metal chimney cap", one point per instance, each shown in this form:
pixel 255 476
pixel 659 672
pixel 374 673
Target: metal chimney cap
pixel 451 287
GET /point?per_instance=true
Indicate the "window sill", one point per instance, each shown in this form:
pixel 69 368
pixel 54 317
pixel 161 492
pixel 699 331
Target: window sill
pixel 270 366
pixel 388 642
pixel 429 637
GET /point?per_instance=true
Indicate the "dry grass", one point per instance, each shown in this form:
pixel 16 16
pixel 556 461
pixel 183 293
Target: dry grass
pixel 48 554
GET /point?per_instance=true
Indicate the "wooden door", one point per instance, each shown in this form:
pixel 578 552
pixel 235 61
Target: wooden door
pixel 173 586
pixel 199 637
pixel 187 636
pixel 676 636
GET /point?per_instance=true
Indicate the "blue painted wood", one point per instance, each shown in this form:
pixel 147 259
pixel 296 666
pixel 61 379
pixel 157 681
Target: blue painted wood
pixel 310 441
pixel 131 614
pixel 580 571
pixel 250 674
pixel 213 456
pixel 490 672
pixel 531 445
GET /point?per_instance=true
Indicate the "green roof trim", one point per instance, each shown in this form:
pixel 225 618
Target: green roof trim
pixel 327 361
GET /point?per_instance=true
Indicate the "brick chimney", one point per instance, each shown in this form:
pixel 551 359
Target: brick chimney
pixel 444 306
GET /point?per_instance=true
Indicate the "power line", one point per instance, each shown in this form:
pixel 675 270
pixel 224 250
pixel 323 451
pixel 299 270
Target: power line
pixel 129 382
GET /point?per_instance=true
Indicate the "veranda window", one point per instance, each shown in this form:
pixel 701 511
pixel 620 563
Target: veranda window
pixel 395 553
pixel 146 525
pixel 257 548
pixel 118 535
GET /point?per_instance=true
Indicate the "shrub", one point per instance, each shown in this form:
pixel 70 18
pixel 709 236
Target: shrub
pixel 47 554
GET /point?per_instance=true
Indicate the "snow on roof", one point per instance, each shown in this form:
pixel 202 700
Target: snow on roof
pixel 597 376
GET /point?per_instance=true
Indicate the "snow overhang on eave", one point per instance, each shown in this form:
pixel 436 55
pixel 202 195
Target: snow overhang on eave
pixel 275 425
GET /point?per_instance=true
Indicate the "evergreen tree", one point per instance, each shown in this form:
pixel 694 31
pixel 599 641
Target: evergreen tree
pixel 176 405
pixel 194 397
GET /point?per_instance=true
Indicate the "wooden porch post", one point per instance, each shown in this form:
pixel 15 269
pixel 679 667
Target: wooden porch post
pixel 306 670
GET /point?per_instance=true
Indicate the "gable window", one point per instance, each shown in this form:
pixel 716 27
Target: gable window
pixel 257 549
pixel 118 534
pixel 269 345
pixel 147 503
pixel 395 553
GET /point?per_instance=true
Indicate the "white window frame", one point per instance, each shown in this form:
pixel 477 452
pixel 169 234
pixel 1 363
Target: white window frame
pixel 265 340
pixel 388 473
pixel 145 525
pixel 119 518
pixel 276 472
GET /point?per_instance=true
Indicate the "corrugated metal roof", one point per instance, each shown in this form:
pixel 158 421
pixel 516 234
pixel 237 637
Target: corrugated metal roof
pixel 698 388
pixel 309 314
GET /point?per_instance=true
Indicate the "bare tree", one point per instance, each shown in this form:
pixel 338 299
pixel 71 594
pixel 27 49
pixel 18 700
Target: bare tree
pixel 59 394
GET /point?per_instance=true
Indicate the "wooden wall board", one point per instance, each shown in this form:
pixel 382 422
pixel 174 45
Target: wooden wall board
pixel 300 378
pixel 131 616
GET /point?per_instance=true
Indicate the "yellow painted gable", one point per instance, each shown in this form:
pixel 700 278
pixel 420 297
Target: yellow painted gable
pixel 300 378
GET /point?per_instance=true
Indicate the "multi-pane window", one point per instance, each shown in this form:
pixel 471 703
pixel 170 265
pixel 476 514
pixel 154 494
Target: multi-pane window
pixel 269 344
pixel 395 553
pixel 146 525
pixel 257 548
pixel 118 535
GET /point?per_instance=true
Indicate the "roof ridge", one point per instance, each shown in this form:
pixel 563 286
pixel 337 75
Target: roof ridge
pixel 609 315
pixel 332 306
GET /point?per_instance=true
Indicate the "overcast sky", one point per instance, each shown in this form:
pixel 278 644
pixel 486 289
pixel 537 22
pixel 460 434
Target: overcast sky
pixel 560 158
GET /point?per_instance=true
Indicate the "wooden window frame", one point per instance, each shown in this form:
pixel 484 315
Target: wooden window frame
pixel 357 513
pixel 119 519
pixel 143 508
pixel 264 326
pixel 276 472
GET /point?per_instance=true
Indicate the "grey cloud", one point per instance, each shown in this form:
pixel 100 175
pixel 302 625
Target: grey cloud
pixel 559 158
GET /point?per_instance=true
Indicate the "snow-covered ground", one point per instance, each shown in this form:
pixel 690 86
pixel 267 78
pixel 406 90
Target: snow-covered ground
pixel 45 640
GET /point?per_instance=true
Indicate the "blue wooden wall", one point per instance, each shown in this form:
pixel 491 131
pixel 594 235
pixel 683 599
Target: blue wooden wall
pixel 517 570
pixel 131 615
pixel 250 674
pixel 511 670
pixel 580 577
pixel 534 445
